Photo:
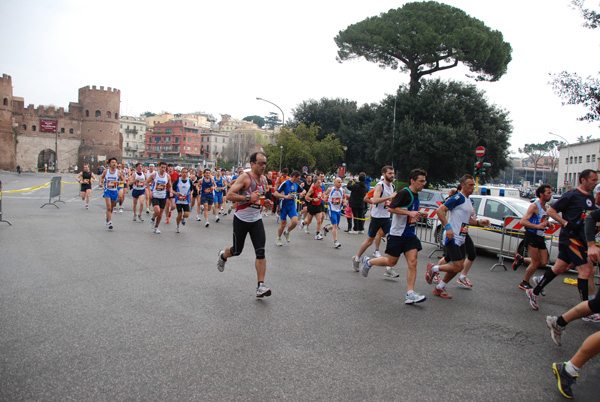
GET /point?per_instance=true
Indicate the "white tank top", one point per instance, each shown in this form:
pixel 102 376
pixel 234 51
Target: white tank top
pixel 160 186
pixel 111 180
pixel 380 210
pixel 247 211
pixel 139 181
pixel 336 198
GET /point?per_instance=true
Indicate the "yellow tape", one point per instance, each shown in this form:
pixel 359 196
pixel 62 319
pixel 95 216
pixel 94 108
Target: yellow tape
pixel 570 281
pixel 25 190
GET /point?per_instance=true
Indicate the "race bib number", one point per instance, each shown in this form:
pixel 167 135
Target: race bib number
pixel 139 183
pixel 182 198
pixel 464 229
pixel 218 189
pixel 161 186
pixel 86 181
pixel 336 201
pixel 111 184
pixel 387 203
pixel 412 221
pixel 208 190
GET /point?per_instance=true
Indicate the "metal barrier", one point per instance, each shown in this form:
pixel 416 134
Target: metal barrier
pixel 430 230
pixel 55 188
pixel 512 235
pixel 2 219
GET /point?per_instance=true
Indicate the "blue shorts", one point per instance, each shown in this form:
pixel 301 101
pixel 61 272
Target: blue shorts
pixel 575 252
pixel 335 217
pixel 287 209
pixel 206 200
pixel 113 195
pixel 138 193
pixel 218 198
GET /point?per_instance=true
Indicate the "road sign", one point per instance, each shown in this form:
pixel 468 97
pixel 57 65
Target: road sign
pixel 305 169
pixel 480 151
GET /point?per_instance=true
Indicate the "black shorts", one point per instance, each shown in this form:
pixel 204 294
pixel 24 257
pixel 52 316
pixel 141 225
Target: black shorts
pixel 315 209
pixel 183 207
pixel 575 252
pixel 535 241
pixel 257 235
pixel 397 245
pixel 161 202
pixel 454 252
pixel 85 187
pixel 379 223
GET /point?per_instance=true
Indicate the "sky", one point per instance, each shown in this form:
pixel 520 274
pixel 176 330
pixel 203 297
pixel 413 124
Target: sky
pixel 217 57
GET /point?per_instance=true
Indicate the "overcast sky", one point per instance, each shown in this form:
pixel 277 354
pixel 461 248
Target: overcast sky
pixel 219 56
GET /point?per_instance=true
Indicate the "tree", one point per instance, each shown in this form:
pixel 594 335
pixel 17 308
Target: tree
pixel 148 114
pixel 301 148
pixel 424 38
pixel 438 131
pixel 573 89
pixel 242 146
pixel 581 139
pixel 536 152
pixel 259 121
pixel 554 154
pixel 272 120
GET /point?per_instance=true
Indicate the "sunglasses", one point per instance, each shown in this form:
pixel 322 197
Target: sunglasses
pixel 262 163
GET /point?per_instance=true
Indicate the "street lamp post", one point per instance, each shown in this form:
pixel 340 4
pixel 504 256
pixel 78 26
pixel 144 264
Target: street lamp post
pixel 568 153
pixel 280 156
pixel 282 115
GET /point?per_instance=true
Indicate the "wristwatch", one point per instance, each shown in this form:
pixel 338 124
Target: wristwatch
pixel 247 197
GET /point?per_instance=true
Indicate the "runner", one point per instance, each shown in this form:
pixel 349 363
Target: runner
pixel 150 171
pixel 248 191
pixel 287 193
pixel 315 197
pixel 161 185
pixel 181 190
pixel 207 185
pixel 383 194
pixel 122 186
pixel 138 181
pixel 110 180
pixel 306 185
pixel 218 194
pixel 535 222
pixel 572 248
pixel 85 178
pixel 567 372
pixel 335 195
pixel 174 175
pixel 460 211
pixel 402 237
pixel 196 194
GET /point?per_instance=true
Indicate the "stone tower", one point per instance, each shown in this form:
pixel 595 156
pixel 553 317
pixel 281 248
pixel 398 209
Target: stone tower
pixel 100 136
pixel 7 136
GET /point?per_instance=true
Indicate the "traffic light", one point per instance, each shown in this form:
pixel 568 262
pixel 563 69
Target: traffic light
pixel 483 168
pixel 477 168
pixel 202 151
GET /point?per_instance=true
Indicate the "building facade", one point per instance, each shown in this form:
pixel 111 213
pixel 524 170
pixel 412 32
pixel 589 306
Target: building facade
pixel 575 158
pixel 133 131
pixel 54 139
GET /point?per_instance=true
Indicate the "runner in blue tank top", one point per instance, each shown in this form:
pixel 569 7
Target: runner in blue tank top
pixel 288 193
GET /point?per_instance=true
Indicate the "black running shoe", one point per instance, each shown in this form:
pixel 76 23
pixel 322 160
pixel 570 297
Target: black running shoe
pixel 565 380
pixel 517 262
pixel 525 285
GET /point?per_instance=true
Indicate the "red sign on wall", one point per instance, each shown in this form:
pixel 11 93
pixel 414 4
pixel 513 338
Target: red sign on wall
pixel 48 126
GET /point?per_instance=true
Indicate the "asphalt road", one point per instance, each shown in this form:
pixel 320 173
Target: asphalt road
pixel 92 314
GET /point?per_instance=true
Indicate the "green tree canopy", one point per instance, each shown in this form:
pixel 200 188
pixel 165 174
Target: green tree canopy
pixel 536 152
pixel 272 120
pixel 259 121
pixel 425 37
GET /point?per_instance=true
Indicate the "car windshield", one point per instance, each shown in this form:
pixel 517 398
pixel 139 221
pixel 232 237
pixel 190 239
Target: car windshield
pixel 519 205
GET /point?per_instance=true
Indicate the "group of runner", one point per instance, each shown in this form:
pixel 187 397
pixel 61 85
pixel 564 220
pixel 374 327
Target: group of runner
pixel 395 214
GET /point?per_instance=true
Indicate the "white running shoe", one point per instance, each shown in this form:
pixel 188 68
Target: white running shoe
pixel 220 261
pixel 177 229
pixel 337 244
pixel 355 264
pixel 376 254
pixel 207 224
pixel 390 273
pixel 287 236
pixel 318 236
pixel 134 218
pixel 413 297
pixel 110 225
pixel 156 230
pixel 217 219
pixel 120 210
pixel 278 242
pixel 198 218
pixel 263 291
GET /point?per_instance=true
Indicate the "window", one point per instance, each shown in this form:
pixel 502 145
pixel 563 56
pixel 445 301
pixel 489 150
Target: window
pixel 195 148
pixel 87 113
pixel 127 144
pixel 70 131
pixel 5 102
pixel 594 158
pixel 177 139
pixel 157 139
pixel 98 113
pixel 116 116
pixel 476 202
pixel 33 128
pixel 565 177
pixel 196 139
pixel 108 114
pixel 167 139
pixel 566 161
pixel 496 210
pixel 62 130
pixel 24 127
pixel 571 160
pixel 587 158
pixel 581 159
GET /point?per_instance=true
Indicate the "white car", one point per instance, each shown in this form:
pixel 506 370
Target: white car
pixel 496 209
